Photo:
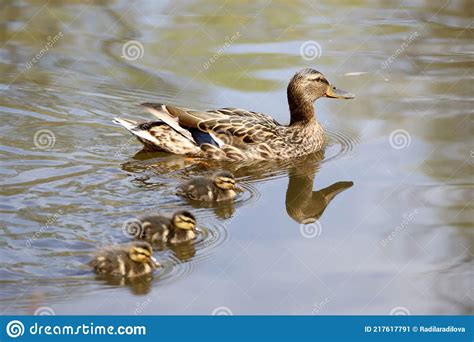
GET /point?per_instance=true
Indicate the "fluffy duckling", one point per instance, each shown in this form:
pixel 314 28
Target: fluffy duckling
pixel 161 229
pixel 130 260
pixel 218 187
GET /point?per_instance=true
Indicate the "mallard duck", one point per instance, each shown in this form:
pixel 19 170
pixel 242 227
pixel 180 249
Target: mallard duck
pixel 181 227
pixel 131 260
pixel 218 187
pixel 237 134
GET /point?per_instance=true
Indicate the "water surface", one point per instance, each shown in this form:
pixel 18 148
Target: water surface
pixel 378 223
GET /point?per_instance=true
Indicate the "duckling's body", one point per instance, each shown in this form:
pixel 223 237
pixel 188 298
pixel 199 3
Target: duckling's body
pixel 238 134
pixel 131 260
pixel 218 187
pixel 181 227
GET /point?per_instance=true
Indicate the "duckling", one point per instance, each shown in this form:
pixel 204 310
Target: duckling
pixel 219 187
pixel 130 260
pixel 161 229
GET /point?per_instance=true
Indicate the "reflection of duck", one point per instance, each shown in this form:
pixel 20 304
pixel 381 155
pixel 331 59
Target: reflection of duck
pixel 138 285
pixel 302 203
pixel 305 205
pixel 131 260
pixel 237 134
pixel 184 251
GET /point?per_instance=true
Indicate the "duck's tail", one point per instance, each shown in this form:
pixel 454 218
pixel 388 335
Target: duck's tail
pixel 128 124
pixel 159 136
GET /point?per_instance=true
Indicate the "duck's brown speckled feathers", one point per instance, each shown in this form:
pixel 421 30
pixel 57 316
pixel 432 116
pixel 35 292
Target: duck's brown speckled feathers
pixel 238 134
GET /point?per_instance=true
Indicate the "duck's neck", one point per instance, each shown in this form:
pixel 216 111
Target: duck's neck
pixel 301 110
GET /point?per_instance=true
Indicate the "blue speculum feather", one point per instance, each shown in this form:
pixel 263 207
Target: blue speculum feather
pixel 202 137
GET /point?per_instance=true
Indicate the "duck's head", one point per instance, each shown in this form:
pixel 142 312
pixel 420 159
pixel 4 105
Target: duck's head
pixel 224 180
pixel 184 220
pixel 142 252
pixel 309 85
pixel 305 87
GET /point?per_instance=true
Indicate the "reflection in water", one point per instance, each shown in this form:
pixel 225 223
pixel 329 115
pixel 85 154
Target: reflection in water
pixel 307 206
pixel 223 210
pixel 302 203
pixel 184 251
pixel 138 285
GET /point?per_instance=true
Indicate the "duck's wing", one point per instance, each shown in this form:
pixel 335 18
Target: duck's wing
pixel 247 114
pixel 231 126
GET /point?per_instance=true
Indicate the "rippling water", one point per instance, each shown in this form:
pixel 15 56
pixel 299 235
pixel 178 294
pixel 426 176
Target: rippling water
pixel 380 220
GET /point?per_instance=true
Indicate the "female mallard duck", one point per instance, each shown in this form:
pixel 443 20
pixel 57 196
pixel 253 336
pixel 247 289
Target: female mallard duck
pixel 131 260
pixel 161 229
pixel 237 134
pixel 219 187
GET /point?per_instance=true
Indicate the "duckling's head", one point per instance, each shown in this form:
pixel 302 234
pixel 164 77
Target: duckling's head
pixel 141 252
pixel 308 85
pixel 224 180
pixel 184 220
